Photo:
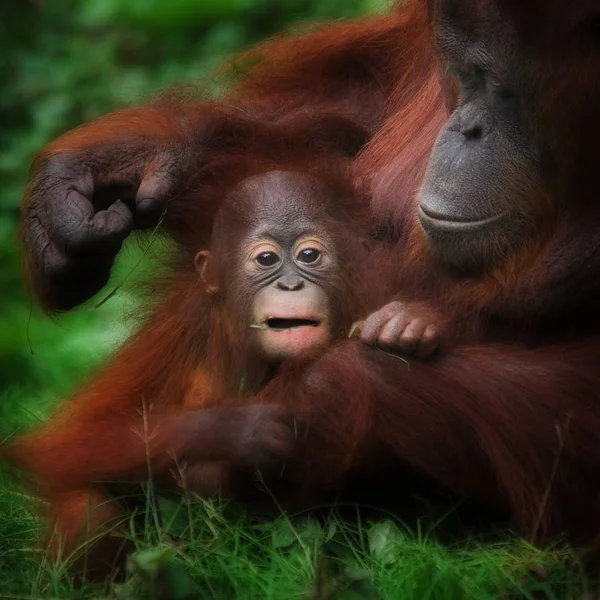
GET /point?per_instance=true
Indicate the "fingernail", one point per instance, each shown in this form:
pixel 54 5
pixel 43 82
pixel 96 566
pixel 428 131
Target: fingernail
pixel 146 205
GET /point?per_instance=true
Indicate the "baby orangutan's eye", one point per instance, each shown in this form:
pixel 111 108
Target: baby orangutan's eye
pixel 309 256
pixel 267 259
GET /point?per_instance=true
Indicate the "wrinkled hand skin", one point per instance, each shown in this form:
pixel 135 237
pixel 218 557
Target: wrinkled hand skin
pixel 258 436
pixel 79 207
pixel 262 436
pixel 403 328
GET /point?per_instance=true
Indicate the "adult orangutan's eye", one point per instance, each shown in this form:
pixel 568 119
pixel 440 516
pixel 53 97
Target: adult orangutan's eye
pixel 309 256
pixel 267 259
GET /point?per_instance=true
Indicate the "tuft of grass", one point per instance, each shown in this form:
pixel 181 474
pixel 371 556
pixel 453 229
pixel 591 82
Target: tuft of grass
pixel 265 326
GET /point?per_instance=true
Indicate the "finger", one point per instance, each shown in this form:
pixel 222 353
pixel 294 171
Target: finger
pixel 428 343
pixel 148 212
pixel 375 322
pixel 76 228
pixel 371 327
pixel 411 335
pixel 112 225
pixel 156 188
pixel 390 335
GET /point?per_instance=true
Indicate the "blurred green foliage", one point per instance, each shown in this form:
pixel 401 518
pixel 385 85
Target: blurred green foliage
pixel 64 62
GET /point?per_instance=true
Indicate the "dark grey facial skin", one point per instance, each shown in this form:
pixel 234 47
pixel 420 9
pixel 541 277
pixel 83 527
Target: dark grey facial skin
pixel 286 260
pixel 485 174
pixel 287 213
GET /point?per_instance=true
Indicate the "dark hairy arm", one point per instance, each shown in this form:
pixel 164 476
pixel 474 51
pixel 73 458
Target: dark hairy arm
pixel 126 444
pixel 504 424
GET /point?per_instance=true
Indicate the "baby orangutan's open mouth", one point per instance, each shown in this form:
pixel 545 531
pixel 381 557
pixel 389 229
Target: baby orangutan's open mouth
pixel 285 336
pixel 289 323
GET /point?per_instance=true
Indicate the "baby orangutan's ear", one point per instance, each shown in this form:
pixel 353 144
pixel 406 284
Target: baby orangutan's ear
pixel 204 265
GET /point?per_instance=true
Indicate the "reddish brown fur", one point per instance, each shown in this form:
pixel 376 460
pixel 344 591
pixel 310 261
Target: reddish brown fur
pixel 511 420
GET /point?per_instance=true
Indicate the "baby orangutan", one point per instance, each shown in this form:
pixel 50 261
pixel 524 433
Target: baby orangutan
pixel 300 274
pixel 287 273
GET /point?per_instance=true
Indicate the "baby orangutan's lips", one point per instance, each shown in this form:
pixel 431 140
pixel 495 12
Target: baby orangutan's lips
pixel 288 336
pixel 277 323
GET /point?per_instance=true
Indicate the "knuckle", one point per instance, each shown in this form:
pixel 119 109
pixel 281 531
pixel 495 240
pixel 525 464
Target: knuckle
pixel 386 340
pixel 368 334
pixel 417 324
pixel 409 337
pixel 431 332
pixel 369 321
pixel 374 317
pixel 392 309
pixel 395 327
pixel 168 167
pixel 429 337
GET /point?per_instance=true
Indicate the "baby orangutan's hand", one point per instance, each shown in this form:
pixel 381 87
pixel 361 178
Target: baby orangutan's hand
pixel 257 435
pixel 404 328
pixel 261 436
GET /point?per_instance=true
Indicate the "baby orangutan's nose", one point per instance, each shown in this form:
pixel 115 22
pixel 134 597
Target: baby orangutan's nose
pixel 290 283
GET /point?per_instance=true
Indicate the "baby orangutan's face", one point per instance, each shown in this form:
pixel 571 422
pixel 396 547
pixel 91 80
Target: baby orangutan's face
pixel 279 242
pixel 291 309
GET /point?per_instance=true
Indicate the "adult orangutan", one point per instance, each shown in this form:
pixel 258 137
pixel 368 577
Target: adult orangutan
pixel 506 235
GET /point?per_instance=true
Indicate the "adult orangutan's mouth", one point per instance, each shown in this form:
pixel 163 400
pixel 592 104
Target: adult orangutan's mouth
pixel 437 222
pixel 282 323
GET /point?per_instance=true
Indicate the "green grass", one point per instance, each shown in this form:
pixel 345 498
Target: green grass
pixel 207 550
pixel 200 549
